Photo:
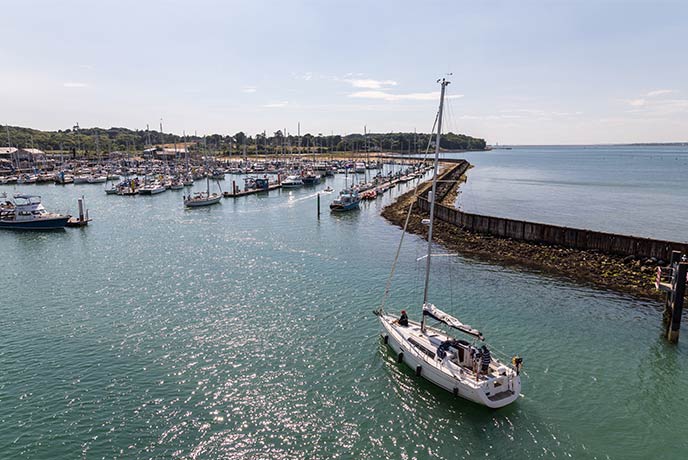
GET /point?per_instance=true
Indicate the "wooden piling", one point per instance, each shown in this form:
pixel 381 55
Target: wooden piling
pixel 666 315
pixel 318 206
pixel 678 297
pixel 675 290
pixel 81 209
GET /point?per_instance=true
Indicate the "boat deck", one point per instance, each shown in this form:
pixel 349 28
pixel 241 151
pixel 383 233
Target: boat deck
pixel 429 340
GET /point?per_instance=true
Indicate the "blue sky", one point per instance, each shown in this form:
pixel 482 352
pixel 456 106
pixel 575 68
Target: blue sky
pixel 524 72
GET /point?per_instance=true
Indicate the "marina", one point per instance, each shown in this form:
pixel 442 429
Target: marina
pixel 132 346
pixel 256 230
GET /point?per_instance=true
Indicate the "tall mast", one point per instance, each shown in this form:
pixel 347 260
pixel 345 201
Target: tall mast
pixel 444 83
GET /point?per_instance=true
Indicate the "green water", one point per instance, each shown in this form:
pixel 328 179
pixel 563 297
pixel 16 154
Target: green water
pixel 245 330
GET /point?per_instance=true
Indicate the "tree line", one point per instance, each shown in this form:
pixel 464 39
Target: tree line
pixel 99 140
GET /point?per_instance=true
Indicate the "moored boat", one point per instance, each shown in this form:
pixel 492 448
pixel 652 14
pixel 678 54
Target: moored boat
pixel 292 182
pixel 97 179
pixel 152 188
pixel 26 212
pixel 310 178
pixel 348 200
pixel 202 198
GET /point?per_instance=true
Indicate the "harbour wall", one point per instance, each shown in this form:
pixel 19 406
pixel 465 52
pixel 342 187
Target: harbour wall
pixel 535 232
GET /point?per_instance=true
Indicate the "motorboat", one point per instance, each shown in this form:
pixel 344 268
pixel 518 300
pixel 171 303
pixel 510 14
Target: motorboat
pixel 292 182
pixel 152 188
pixel 26 212
pixel 348 200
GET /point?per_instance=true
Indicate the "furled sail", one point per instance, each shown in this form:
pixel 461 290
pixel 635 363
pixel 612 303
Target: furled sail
pixel 435 313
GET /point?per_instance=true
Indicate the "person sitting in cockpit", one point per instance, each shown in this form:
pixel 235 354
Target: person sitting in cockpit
pixel 403 320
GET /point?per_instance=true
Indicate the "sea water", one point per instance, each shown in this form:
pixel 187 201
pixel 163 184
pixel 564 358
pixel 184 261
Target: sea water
pixel 245 330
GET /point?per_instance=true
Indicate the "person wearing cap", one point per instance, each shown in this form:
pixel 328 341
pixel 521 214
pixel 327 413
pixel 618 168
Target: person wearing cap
pixel 403 320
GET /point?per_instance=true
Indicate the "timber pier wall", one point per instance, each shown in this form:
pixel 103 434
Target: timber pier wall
pixel 556 235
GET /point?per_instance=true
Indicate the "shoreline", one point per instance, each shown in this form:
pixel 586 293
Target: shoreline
pixel 589 267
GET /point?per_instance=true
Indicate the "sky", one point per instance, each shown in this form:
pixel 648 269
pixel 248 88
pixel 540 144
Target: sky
pixel 522 72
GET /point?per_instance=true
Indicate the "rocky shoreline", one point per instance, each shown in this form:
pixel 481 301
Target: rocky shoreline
pixel 622 274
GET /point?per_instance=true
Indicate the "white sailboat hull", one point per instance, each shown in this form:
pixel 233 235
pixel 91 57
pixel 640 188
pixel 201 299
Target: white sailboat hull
pixel 493 391
pixel 196 203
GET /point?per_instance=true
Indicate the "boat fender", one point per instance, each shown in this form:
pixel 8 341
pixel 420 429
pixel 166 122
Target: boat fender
pixel 456 391
pixel 385 339
pixel 419 369
pixel 400 357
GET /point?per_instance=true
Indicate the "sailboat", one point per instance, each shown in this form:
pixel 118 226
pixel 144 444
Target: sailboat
pixel 461 366
pixel 202 198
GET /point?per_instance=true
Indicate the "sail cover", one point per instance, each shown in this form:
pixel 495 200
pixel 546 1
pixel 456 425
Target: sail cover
pixel 435 313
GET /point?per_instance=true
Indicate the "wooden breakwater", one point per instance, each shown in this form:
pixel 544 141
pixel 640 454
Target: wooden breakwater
pixel 535 232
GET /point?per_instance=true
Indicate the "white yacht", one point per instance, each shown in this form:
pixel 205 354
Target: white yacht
pixel 26 212
pixel 465 368
pixel 152 188
pixel 292 182
pixel 202 198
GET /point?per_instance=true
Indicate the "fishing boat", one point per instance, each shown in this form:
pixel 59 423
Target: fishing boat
pixel 348 200
pixel 292 182
pixel 462 367
pixel 202 198
pixel 26 212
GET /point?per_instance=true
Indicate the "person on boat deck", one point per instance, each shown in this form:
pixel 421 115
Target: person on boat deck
pixel 403 320
pixel 476 357
pixel 485 359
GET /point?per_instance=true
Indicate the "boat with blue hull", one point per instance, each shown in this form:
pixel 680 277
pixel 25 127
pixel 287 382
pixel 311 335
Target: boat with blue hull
pixel 348 201
pixel 26 212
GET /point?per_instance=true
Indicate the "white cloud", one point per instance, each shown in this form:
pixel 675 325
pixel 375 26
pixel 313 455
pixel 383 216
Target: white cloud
pixel 306 76
pixel 659 92
pixel 658 107
pixel 276 105
pixel 74 84
pixel 249 89
pixel 369 83
pixel 652 99
pixel 431 96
